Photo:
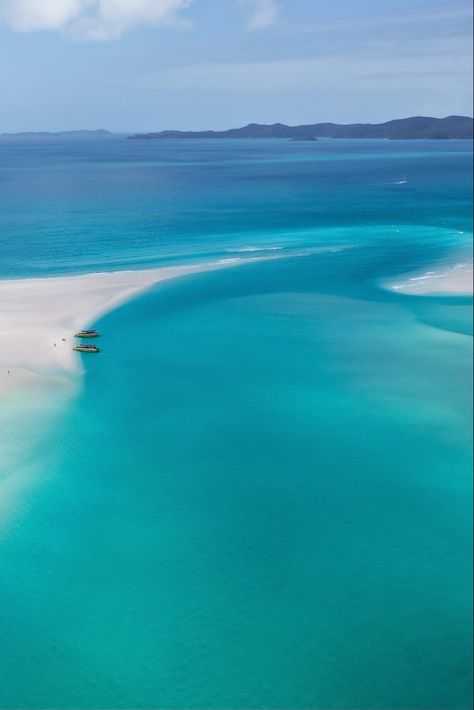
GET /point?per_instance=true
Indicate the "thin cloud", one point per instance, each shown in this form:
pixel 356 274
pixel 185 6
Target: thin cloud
pixel 441 58
pixel 264 14
pixel 90 19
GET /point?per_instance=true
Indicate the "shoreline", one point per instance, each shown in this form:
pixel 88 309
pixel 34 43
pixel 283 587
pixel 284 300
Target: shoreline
pixel 40 373
pixel 39 316
pixel 442 280
pixel 38 379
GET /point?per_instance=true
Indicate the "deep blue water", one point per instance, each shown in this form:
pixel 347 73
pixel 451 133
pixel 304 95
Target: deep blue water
pixel 261 496
pixel 82 205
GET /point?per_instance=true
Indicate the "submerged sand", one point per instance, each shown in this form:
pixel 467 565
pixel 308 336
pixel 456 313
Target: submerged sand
pixel 39 371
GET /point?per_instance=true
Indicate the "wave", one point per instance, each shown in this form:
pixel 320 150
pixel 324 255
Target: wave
pixel 246 249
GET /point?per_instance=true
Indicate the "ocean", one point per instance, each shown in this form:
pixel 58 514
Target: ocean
pixel 260 495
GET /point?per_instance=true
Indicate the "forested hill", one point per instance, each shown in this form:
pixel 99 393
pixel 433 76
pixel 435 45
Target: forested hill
pixel 403 128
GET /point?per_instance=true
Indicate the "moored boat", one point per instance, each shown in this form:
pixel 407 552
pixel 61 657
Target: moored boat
pixel 86 348
pixel 87 334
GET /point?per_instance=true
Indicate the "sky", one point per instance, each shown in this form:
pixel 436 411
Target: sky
pixel 138 65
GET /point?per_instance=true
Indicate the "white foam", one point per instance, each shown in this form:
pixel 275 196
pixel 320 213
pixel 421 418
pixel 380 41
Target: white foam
pixel 247 249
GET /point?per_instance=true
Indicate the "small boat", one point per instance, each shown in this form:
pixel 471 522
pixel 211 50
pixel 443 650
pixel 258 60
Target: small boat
pixel 87 334
pixel 86 348
pixel 403 181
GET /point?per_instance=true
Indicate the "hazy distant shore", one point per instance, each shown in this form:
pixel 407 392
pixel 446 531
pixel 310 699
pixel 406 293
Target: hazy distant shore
pixel 414 127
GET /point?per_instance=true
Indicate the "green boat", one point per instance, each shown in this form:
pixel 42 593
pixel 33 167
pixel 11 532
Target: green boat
pixel 86 348
pixel 87 334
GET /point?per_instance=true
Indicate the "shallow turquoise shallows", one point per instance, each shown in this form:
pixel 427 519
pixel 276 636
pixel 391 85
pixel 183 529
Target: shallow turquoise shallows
pixel 260 498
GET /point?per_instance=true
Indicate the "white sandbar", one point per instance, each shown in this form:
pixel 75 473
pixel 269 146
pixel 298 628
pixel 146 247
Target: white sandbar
pixel 38 319
pixel 452 280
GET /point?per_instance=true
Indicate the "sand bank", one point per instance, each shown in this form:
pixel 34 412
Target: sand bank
pixel 39 371
pixel 454 279
pixel 38 319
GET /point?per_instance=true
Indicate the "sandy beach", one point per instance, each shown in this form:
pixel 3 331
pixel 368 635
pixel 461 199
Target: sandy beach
pixel 38 319
pixel 452 280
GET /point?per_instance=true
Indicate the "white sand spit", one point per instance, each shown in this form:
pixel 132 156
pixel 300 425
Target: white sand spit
pixel 452 280
pixel 38 319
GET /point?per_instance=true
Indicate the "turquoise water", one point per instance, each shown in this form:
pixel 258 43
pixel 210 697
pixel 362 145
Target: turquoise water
pixel 263 499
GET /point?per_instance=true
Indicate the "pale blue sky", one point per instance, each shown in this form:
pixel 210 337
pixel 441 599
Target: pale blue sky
pixel 152 64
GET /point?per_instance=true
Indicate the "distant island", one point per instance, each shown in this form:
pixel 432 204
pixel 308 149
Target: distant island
pixel 98 133
pixel 403 128
pixel 398 129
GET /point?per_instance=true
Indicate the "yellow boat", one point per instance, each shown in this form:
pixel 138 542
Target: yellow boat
pixel 87 334
pixel 86 348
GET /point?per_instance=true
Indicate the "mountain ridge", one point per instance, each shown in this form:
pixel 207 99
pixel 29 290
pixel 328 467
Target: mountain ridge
pixel 412 127
pixel 401 128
